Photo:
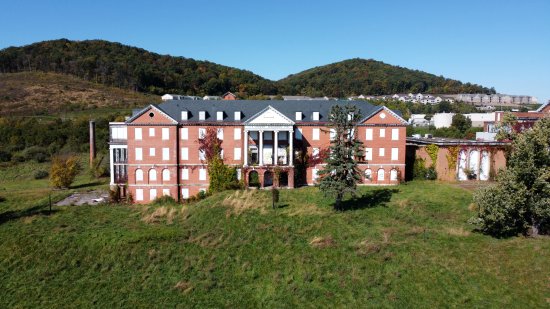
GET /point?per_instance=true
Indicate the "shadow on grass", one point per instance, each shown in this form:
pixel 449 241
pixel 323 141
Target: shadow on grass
pixel 84 185
pixel 18 214
pixel 374 198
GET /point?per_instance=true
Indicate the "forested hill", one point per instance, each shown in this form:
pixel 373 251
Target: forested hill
pixel 370 77
pixel 134 68
pixel 114 64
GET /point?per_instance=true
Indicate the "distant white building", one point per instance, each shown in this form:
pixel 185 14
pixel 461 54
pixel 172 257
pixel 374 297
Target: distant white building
pixel 169 96
pixel 211 97
pixel 478 119
pixel 442 120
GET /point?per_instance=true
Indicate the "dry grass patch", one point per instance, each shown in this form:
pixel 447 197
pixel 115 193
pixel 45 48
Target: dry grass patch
pixel 244 200
pixel 458 231
pixel 367 247
pixel 473 207
pixel 322 242
pixel 184 287
pixel 208 240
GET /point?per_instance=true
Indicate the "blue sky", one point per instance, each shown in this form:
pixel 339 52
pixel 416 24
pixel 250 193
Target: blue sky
pixel 504 44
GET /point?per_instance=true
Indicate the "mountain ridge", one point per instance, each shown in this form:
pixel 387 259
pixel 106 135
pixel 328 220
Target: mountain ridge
pixel 129 67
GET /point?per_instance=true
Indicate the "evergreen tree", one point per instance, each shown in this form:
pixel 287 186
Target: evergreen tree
pixel 341 174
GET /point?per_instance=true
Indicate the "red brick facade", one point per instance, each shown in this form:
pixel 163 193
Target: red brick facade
pixel 175 168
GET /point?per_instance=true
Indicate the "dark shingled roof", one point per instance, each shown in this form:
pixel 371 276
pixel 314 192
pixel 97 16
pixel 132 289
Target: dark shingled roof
pixel 249 108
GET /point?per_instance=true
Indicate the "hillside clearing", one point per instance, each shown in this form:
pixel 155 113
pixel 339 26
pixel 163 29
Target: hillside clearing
pixel 412 248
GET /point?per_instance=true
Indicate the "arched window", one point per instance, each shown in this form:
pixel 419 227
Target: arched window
pixel 139 174
pixel 381 174
pixel 393 175
pixel 152 175
pixel 166 175
pixel 368 174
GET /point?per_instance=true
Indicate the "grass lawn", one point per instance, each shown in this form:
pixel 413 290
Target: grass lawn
pixel 404 246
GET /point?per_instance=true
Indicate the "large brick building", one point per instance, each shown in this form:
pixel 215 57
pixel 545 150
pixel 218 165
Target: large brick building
pixel 156 151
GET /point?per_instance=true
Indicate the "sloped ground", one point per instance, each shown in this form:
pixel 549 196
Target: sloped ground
pixel 38 93
pixel 405 246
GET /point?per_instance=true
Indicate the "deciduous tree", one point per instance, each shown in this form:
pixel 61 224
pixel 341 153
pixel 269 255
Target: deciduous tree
pixel 64 170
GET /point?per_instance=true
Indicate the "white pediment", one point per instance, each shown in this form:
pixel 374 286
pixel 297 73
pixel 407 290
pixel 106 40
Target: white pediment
pixel 269 116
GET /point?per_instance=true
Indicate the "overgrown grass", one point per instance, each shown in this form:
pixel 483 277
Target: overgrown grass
pixel 405 246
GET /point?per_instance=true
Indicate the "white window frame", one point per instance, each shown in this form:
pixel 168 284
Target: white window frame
pixel 299 116
pixel 368 134
pixel 184 133
pixel 202 115
pixel 139 194
pixel 314 174
pixel 165 192
pixel 315 116
pixel 237 115
pixel 165 154
pixel 202 133
pixel 152 194
pixel 368 154
pixel 378 174
pixel 139 154
pixel 165 174
pixel 184 174
pixel 185 193
pixel 332 134
pixel 237 134
pixel 219 116
pixel 151 152
pixel 202 174
pixel 219 133
pixel 151 132
pixel 394 134
pixel 138 134
pixel 184 153
pixel 382 132
pixel 152 175
pixel 184 115
pixel 202 155
pixel 139 174
pixel 395 154
pixel 381 152
pixel 315 152
pixel 237 153
pixel 315 134
pixel 165 134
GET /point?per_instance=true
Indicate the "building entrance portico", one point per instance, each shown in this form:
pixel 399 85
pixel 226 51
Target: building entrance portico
pixel 269 145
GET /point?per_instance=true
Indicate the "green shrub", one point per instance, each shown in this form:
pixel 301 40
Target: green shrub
pixel 36 153
pixel 254 180
pixel 421 172
pixel 41 174
pixel 164 200
pixel 5 156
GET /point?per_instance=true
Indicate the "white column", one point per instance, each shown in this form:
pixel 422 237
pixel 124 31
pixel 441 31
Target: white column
pixel 245 147
pixel 261 149
pixel 291 148
pixel 276 150
pixel 111 164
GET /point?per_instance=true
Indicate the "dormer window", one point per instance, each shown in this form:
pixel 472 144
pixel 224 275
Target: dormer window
pixel 299 116
pixel 237 116
pixel 219 116
pixel 315 116
pixel 202 115
pixel 184 115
